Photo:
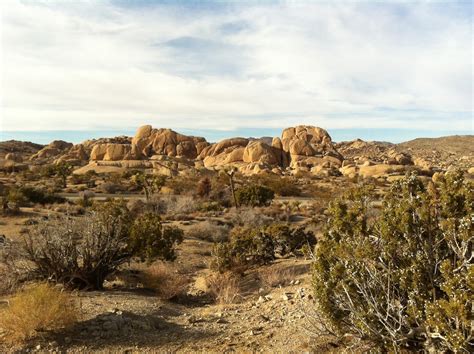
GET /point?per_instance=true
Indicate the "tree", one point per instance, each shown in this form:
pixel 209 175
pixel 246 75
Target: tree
pixel 63 170
pixel 230 173
pixel 400 277
pixel 150 184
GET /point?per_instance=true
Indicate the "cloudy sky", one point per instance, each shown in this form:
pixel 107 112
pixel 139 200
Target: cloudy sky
pixel 400 69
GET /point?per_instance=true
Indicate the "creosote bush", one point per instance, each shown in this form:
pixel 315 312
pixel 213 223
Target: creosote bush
pixel 259 245
pixel 37 308
pixel 401 277
pixel 150 240
pixel 254 195
pixel 82 252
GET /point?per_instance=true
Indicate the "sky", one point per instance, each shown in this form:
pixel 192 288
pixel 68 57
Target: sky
pixel 379 70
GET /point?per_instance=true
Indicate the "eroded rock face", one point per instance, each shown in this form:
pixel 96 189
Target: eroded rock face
pixel 114 152
pixel 150 141
pixel 259 152
pixel 308 146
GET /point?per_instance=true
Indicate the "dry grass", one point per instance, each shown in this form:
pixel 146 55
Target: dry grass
pixel 36 308
pixel 272 277
pixel 165 279
pixel 209 231
pixel 224 288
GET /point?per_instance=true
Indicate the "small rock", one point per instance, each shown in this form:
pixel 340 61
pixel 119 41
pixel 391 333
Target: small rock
pixel 297 282
pixel 261 300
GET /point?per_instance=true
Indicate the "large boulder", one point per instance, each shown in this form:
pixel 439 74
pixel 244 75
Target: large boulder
pixel 227 151
pixel 114 152
pixel 307 146
pixel 150 141
pixel 259 152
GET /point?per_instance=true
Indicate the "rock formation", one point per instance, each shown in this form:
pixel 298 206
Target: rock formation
pixel 53 149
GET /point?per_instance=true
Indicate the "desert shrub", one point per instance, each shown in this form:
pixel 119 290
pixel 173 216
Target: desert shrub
pixel 254 195
pixel 204 187
pixel 109 187
pixel 224 287
pixel 87 178
pixel 85 199
pixel 209 231
pixel 246 246
pixel 289 240
pixel 209 206
pixel 150 240
pixel 182 184
pixel 179 204
pixel 38 196
pixel 259 245
pixel 283 186
pixel 249 217
pixel 47 171
pixel 14 271
pixel 82 252
pixel 165 279
pixel 401 277
pixel 37 308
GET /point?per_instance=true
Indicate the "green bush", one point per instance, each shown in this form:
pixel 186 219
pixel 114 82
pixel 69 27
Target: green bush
pixel 254 195
pixel 283 186
pixel 289 240
pixel 246 246
pixel 150 240
pixel 38 196
pixel 401 277
pixel 259 245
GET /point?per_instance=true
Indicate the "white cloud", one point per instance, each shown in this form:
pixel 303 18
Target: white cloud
pixel 88 65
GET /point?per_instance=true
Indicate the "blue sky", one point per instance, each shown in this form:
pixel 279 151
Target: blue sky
pixel 383 70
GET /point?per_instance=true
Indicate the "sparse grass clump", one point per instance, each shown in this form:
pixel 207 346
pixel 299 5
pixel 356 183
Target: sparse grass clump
pixel 165 279
pixel 224 287
pixel 37 308
pixel 274 276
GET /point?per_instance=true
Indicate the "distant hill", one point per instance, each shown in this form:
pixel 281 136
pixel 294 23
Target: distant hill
pixel 24 148
pixel 446 151
pixel 455 144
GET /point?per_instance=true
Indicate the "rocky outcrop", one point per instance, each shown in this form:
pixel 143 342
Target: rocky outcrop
pixel 309 146
pixel 115 152
pixel 53 149
pixel 12 156
pixel 150 141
